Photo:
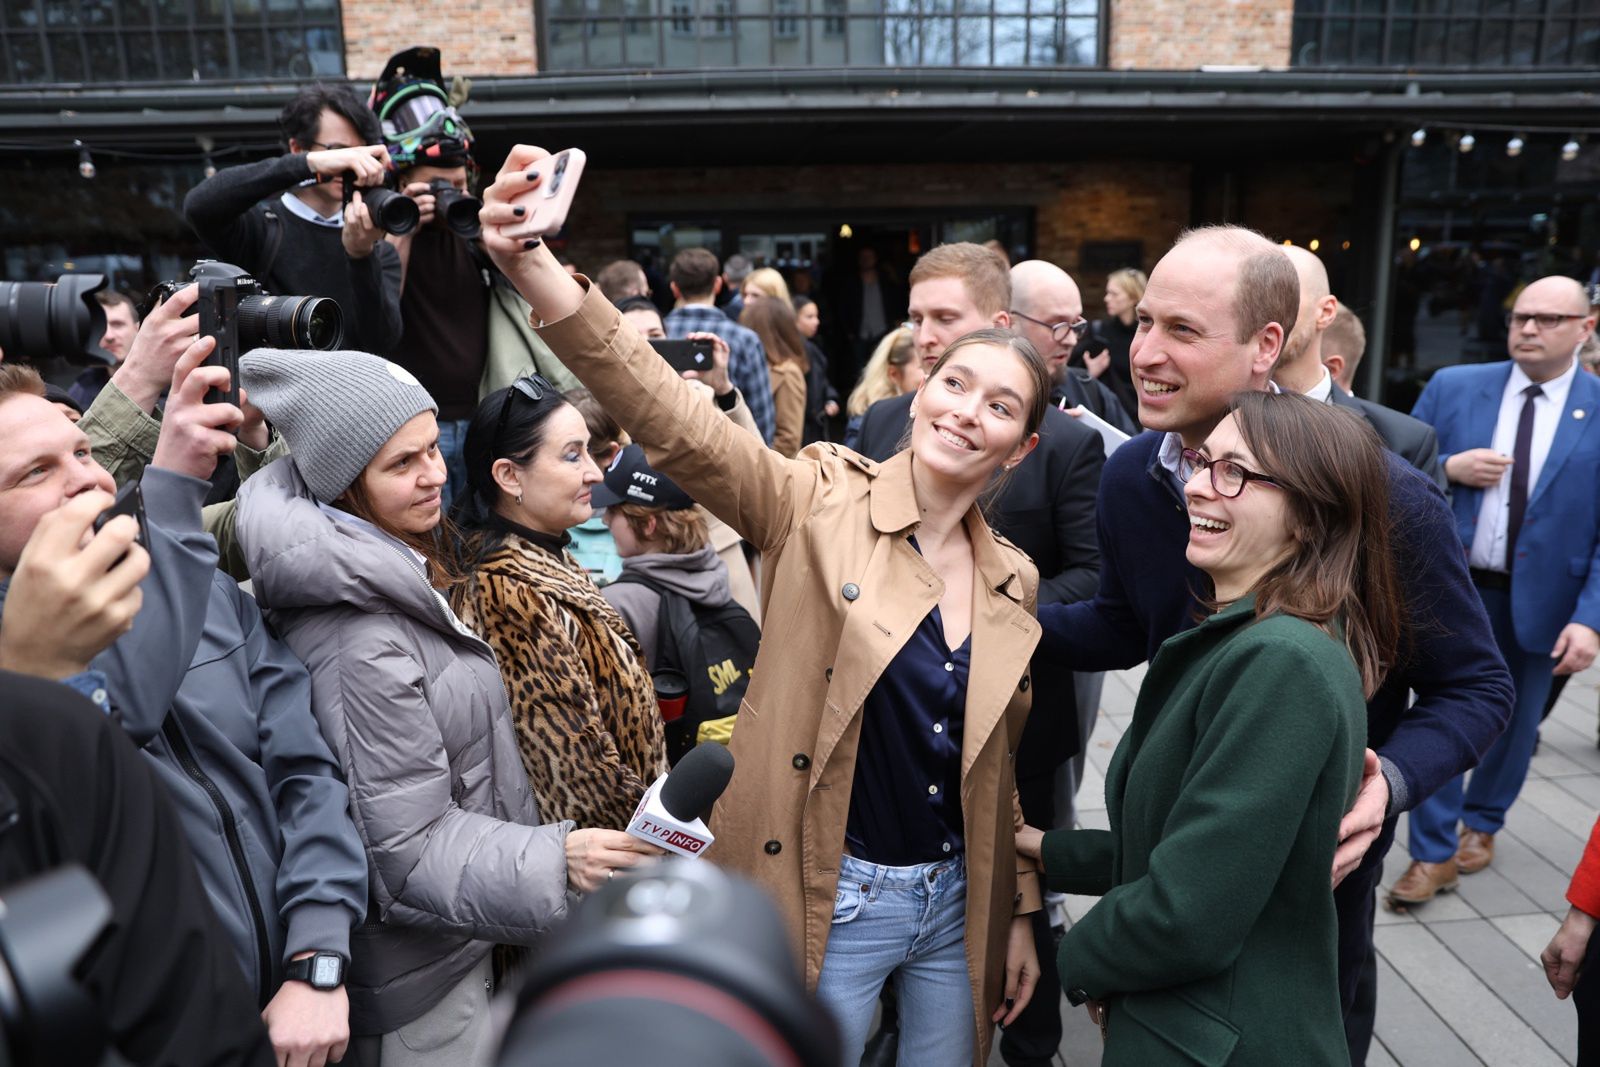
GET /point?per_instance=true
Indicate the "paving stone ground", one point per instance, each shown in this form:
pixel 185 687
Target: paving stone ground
pixel 1459 979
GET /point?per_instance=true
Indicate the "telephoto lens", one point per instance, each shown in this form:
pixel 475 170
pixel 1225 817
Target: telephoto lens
pixel 391 212
pixel 302 322
pixel 39 320
pixel 459 209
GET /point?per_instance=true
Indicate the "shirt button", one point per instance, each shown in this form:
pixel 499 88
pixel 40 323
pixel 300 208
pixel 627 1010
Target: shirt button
pixel 773 847
pixel 946 846
pixel 850 591
pixel 98 696
pixel 938 727
pixel 949 666
pixel 933 790
pixel 801 761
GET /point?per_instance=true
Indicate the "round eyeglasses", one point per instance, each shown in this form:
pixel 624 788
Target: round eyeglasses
pixel 1062 332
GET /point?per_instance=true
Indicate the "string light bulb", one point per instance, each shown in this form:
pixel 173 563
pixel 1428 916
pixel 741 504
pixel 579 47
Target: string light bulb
pixel 1314 245
pixel 1467 143
pixel 85 163
pixel 1569 151
pixel 1419 137
pixel 210 168
pixel 1514 146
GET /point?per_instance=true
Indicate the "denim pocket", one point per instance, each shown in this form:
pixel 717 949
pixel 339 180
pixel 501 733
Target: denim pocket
pixel 848 900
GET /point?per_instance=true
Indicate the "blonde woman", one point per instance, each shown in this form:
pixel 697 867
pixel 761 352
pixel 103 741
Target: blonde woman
pixel 893 369
pixel 1104 352
pixel 765 282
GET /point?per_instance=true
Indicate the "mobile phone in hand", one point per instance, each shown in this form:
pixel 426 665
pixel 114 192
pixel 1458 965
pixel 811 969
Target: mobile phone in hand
pixel 129 501
pixel 548 202
pixel 684 355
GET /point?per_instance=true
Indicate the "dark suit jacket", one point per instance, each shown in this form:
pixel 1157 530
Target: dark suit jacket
pixel 1409 438
pixel 1091 394
pixel 1048 511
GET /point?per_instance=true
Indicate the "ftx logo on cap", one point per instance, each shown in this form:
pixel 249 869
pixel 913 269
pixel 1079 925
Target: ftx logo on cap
pixel 631 480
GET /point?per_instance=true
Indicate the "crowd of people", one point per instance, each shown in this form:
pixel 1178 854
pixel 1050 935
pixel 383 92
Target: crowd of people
pixel 403 637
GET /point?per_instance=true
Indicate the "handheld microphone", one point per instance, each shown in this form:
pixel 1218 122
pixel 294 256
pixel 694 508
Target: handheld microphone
pixel 668 814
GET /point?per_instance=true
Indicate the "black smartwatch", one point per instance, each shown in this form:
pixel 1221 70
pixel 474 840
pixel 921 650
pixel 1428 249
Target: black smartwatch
pixel 320 970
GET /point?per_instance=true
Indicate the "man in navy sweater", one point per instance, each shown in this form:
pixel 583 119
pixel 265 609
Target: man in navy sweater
pixel 1211 325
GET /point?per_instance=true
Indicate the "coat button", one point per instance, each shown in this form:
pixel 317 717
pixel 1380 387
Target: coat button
pixel 801 761
pixel 773 847
pixel 1025 683
pixel 851 590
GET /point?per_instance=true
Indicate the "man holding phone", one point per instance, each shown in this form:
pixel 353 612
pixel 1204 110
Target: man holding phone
pixel 696 280
pixel 217 704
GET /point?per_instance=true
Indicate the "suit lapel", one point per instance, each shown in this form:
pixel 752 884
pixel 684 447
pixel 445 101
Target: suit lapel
pixel 1583 396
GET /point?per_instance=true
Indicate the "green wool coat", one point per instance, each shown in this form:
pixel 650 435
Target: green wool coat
pixel 1214 938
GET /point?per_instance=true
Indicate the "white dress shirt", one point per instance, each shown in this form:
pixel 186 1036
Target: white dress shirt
pixel 1323 390
pixel 299 207
pixel 1494 514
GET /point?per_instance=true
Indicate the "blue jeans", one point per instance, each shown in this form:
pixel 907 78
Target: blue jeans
pixel 909 922
pixel 1499 776
pixel 452 446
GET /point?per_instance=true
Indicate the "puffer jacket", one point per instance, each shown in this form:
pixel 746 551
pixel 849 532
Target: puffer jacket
pixel 412 704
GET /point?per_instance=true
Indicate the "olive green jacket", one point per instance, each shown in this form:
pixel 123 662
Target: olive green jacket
pixel 123 436
pixel 1214 938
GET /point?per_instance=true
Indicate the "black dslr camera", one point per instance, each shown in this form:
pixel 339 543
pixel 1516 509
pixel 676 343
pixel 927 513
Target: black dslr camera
pixel 39 320
pixel 460 210
pixel 391 212
pixel 235 310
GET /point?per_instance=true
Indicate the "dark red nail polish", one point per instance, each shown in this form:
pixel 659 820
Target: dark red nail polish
pixel 519 211
pixel 533 175
pixel 530 244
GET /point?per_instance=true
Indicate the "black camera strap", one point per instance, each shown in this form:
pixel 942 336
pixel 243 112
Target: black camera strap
pixel 274 240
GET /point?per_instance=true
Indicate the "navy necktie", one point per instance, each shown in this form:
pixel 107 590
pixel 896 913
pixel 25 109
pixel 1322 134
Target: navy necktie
pixel 1521 460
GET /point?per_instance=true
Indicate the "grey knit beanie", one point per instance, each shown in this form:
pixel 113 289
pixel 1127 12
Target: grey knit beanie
pixel 335 409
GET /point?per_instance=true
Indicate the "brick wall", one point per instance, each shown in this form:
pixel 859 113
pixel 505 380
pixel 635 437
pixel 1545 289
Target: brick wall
pixel 477 37
pixel 1183 35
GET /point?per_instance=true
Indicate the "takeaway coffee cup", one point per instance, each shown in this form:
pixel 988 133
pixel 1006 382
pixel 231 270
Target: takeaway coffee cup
pixel 672 693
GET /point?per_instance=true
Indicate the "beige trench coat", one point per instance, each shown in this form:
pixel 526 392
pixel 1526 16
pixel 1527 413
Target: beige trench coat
pixel 842 591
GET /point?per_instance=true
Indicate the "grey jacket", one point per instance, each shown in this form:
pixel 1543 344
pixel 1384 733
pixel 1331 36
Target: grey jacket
pixel 700 577
pixel 223 710
pixel 413 705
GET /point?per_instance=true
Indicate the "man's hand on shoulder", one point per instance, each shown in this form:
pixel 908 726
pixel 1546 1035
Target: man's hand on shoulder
pixel 74 591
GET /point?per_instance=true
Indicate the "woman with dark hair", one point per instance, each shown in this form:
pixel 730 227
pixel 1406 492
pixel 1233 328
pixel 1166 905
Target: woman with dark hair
pixel 588 725
pixel 873 795
pixel 342 540
pixel 774 322
pixel 1215 933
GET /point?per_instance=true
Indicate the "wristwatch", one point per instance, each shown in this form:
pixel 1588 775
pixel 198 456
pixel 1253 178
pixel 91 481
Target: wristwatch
pixel 320 970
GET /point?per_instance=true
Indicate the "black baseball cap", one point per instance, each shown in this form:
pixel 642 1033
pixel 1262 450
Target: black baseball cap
pixel 630 480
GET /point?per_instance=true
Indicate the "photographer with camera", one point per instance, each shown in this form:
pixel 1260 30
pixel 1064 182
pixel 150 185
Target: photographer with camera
pixel 122 324
pixel 286 220
pixel 219 705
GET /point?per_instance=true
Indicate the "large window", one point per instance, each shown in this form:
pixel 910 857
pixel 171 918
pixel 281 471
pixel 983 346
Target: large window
pixel 1442 34
pixel 84 41
pixel 686 34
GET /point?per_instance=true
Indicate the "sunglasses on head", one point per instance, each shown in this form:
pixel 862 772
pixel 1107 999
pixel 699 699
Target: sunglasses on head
pixel 532 386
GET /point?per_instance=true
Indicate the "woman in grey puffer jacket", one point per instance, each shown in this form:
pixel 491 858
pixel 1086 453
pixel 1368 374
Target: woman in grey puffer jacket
pixel 340 543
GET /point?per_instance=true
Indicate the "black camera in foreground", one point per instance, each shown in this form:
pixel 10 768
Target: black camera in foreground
pixel 679 965
pixel 41 320
pixel 235 310
pixel 49 926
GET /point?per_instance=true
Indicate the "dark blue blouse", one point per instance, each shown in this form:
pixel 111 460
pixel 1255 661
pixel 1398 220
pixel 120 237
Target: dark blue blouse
pixel 905 805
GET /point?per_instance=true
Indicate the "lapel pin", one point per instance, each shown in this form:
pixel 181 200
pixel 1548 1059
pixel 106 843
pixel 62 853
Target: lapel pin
pixel 1577 413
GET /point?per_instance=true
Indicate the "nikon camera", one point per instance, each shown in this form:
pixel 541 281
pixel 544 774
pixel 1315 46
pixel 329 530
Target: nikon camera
pixel 234 309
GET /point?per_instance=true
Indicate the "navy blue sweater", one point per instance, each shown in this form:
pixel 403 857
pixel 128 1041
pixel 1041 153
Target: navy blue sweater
pixel 1146 595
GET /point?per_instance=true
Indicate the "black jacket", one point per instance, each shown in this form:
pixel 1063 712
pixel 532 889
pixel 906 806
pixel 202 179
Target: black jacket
pixel 74 790
pixel 1411 439
pixel 1048 511
pixel 1077 389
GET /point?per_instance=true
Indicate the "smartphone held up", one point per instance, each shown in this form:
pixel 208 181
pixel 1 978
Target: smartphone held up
pixel 547 203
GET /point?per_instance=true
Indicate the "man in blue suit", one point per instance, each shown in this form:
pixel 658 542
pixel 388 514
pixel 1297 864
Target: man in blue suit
pixel 1522 453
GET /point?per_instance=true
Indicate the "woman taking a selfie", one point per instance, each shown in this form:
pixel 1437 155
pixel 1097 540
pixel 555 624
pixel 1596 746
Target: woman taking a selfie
pixel 1215 932
pixel 342 541
pixel 873 791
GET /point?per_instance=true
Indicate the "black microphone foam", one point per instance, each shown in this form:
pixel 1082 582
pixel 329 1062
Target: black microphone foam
pixel 697 780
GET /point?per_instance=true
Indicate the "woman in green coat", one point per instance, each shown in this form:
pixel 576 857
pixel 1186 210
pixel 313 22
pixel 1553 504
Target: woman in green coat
pixel 1213 940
